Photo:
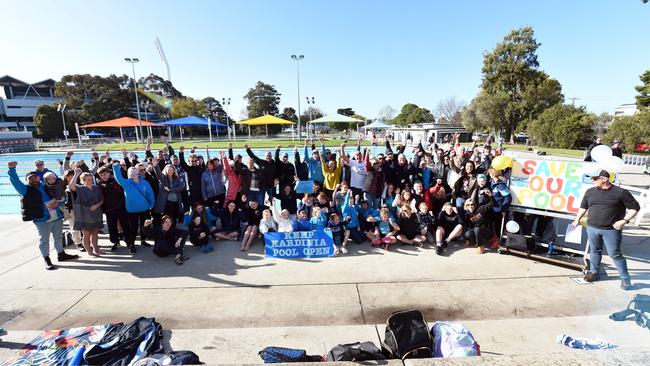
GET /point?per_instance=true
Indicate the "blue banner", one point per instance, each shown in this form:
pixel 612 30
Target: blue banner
pixel 305 186
pixel 299 244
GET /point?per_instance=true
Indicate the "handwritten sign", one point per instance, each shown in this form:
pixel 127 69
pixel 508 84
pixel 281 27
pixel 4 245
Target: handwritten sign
pixel 299 244
pixel 550 184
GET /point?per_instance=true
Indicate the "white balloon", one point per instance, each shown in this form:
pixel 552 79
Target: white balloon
pixel 600 153
pixel 512 227
pixel 612 164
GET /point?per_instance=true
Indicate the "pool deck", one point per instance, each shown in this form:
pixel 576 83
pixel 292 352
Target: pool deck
pixel 228 305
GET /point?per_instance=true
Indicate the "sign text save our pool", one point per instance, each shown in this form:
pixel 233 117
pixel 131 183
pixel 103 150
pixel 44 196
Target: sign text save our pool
pixel 299 244
pixel 550 185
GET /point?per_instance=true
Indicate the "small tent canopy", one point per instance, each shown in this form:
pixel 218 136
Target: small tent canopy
pixel 377 125
pixel 336 118
pixel 94 134
pixel 191 121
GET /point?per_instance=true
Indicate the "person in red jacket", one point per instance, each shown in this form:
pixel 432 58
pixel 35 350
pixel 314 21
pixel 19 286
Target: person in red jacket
pixel 234 179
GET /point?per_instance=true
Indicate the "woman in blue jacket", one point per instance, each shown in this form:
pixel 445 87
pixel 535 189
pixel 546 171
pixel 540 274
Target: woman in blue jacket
pixel 502 198
pixel 139 199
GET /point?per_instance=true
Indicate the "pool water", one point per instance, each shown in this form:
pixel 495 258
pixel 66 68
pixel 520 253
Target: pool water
pixel 10 200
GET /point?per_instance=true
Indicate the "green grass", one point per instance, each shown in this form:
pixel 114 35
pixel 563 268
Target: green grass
pixel 256 143
pixel 549 150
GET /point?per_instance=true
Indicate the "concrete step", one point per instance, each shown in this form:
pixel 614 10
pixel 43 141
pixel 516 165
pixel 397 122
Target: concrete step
pixel 503 342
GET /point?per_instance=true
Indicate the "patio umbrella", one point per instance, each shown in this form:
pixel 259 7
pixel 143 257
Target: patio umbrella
pixel 377 125
pixel 336 118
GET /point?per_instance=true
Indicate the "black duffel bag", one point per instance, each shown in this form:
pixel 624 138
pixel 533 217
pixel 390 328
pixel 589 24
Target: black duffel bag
pixel 359 351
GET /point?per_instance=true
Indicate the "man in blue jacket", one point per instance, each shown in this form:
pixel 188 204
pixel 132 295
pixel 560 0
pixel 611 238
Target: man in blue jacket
pixel 36 207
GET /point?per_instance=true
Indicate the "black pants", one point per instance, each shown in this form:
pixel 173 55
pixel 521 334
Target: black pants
pixel 185 197
pixel 195 196
pixel 479 235
pixel 112 218
pixel 163 248
pixel 171 209
pixel 136 222
pixel 210 202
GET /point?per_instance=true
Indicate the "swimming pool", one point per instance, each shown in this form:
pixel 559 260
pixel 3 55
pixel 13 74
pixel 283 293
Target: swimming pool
pixel 10 200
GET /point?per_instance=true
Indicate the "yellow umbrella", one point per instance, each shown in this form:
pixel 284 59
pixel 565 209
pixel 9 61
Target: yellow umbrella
pixel 264 121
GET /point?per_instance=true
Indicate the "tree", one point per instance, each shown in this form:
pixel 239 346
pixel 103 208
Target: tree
pixel 630 130
pixel 563 126
pixel 96 98
pixel 511 69
pixel 262 99
pixel 602 123
pixel 316 113
pixel 48 123
pixel 643 99
pixel 214 110
pixel 289 114
pixel 486 113
pixel 449 110
pixel 345 112
pixel 411 114
pixel 386 113
pixel 155 84
pixel 188 107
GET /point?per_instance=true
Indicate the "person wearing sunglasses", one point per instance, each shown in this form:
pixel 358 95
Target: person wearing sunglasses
pixel 194 172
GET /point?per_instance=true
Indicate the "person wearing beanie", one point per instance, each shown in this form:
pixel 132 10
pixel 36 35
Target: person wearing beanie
pixel 35 207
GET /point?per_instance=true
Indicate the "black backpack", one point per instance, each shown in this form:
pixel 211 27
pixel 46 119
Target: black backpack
pixel 407 336
pixel 366 351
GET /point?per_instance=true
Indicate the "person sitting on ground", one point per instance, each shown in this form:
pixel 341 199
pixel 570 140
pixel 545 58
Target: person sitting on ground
pixel 340 234
pixel 302 221
pixel 253 213
pixel 282 218
pixel 287 199
pixel 200 234
pixel 407 222
pixel 267 224
pixel 318 219
pixel 385 230
pixel 88 218
pixel 323 202
pixel 167 238
pixel 230 222
pixel 478 223
pixel 351 215
pixel 450 227
pixel 426 222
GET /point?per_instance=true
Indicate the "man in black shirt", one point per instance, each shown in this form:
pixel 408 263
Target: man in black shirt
pixel 607 206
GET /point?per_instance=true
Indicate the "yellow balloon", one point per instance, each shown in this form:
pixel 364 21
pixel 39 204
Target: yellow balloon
pixel 502 162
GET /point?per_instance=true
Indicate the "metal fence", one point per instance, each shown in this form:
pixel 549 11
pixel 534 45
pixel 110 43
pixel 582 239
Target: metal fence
pixel 636 160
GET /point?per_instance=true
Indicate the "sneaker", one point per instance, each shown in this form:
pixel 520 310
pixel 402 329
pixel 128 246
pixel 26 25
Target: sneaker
pixel 591 277
pixel 208 248
pixel 63 256
pixel 439 249
pixel 132 249
pixel 48 264
pixel 81 248
pixel 626 284
pixel 115 246
pixel 336 250
pixel 344 250
pixel 145 244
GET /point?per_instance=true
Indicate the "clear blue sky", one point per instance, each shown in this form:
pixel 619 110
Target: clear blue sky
pixel 358 54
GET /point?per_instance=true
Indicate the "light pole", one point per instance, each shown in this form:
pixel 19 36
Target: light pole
pixel 146 117
pixel 61 108
pixel 226 102
pixel 298 59
pixel 133 61
pixel 310 105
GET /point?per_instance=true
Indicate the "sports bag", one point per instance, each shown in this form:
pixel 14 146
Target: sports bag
pixel 359 351
pixel 453 340
pixel 282 355
pixel 172 358
pixel 407 336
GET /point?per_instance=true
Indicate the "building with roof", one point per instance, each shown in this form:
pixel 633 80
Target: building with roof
pixel 628 109
pixel 19 101
pixel 435 131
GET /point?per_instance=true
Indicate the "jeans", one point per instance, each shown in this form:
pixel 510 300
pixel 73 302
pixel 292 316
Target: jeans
pixel 612 239
pixel 257 196
pixel 45 229
pixel 373 200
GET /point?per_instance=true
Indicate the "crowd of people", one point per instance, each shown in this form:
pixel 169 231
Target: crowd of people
pixel 438 195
